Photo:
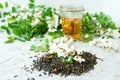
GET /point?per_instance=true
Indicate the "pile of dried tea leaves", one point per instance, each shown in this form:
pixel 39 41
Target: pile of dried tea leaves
pixel 52 64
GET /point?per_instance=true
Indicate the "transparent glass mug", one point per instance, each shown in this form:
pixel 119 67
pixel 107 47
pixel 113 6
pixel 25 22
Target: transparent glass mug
pixel 72 20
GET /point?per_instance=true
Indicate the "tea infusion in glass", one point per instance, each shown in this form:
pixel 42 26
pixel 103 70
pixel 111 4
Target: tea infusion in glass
pixel 72 21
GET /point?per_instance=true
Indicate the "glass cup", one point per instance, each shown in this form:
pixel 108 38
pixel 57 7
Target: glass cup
pixel 72 20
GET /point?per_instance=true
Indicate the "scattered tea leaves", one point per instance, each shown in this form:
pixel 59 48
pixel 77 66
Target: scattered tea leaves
pixel 53 65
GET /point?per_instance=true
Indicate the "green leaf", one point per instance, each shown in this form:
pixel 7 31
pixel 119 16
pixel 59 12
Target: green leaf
pixel 105 20
pixel 20 39
pixel 47 12
pixel 67 60
pixel 7 29
pixel 119 30
pixel 6 13
pixel 32 1
pixel 16 28
pixel 55 35
pixel 3 20
pixel 34 48
pixel 0 15
pixel 44 45
pixel 89 25
pixel 1 29
pixel 91 37
pixel 41 6
pixel 14 9
pixel 18 6
pixel 109 36
pixel 46 41
pixel 1 6
pixel 40 29
pixel 42 48
pixel 31 5
pixel 15 25
pixel 6 4
pixel 10 39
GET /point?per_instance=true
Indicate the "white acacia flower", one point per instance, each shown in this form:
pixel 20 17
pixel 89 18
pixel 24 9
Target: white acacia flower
pixel 37 9
pixel 37 14
pixel 35 22
pixel 22 13
pixel 101 32
pixel 24 17
pixel 28 13
pixel 7 17
pixel 52 30
pixel 61 46
pixel 14 14
pixel 79 59
pixel 86 36
pixel 52 23
pixel 56 19
pixel 105 43
pixel 79 52
pixel 35 41
pixel 61 53
pixel 48 18
pixel 116 34
pixel 19 17
pixel 3 23
pixel 109 32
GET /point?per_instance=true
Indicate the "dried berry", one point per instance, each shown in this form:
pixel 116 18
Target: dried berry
pixel 55 70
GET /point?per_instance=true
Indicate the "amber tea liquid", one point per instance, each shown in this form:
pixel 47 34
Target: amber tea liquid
pixel 72 27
